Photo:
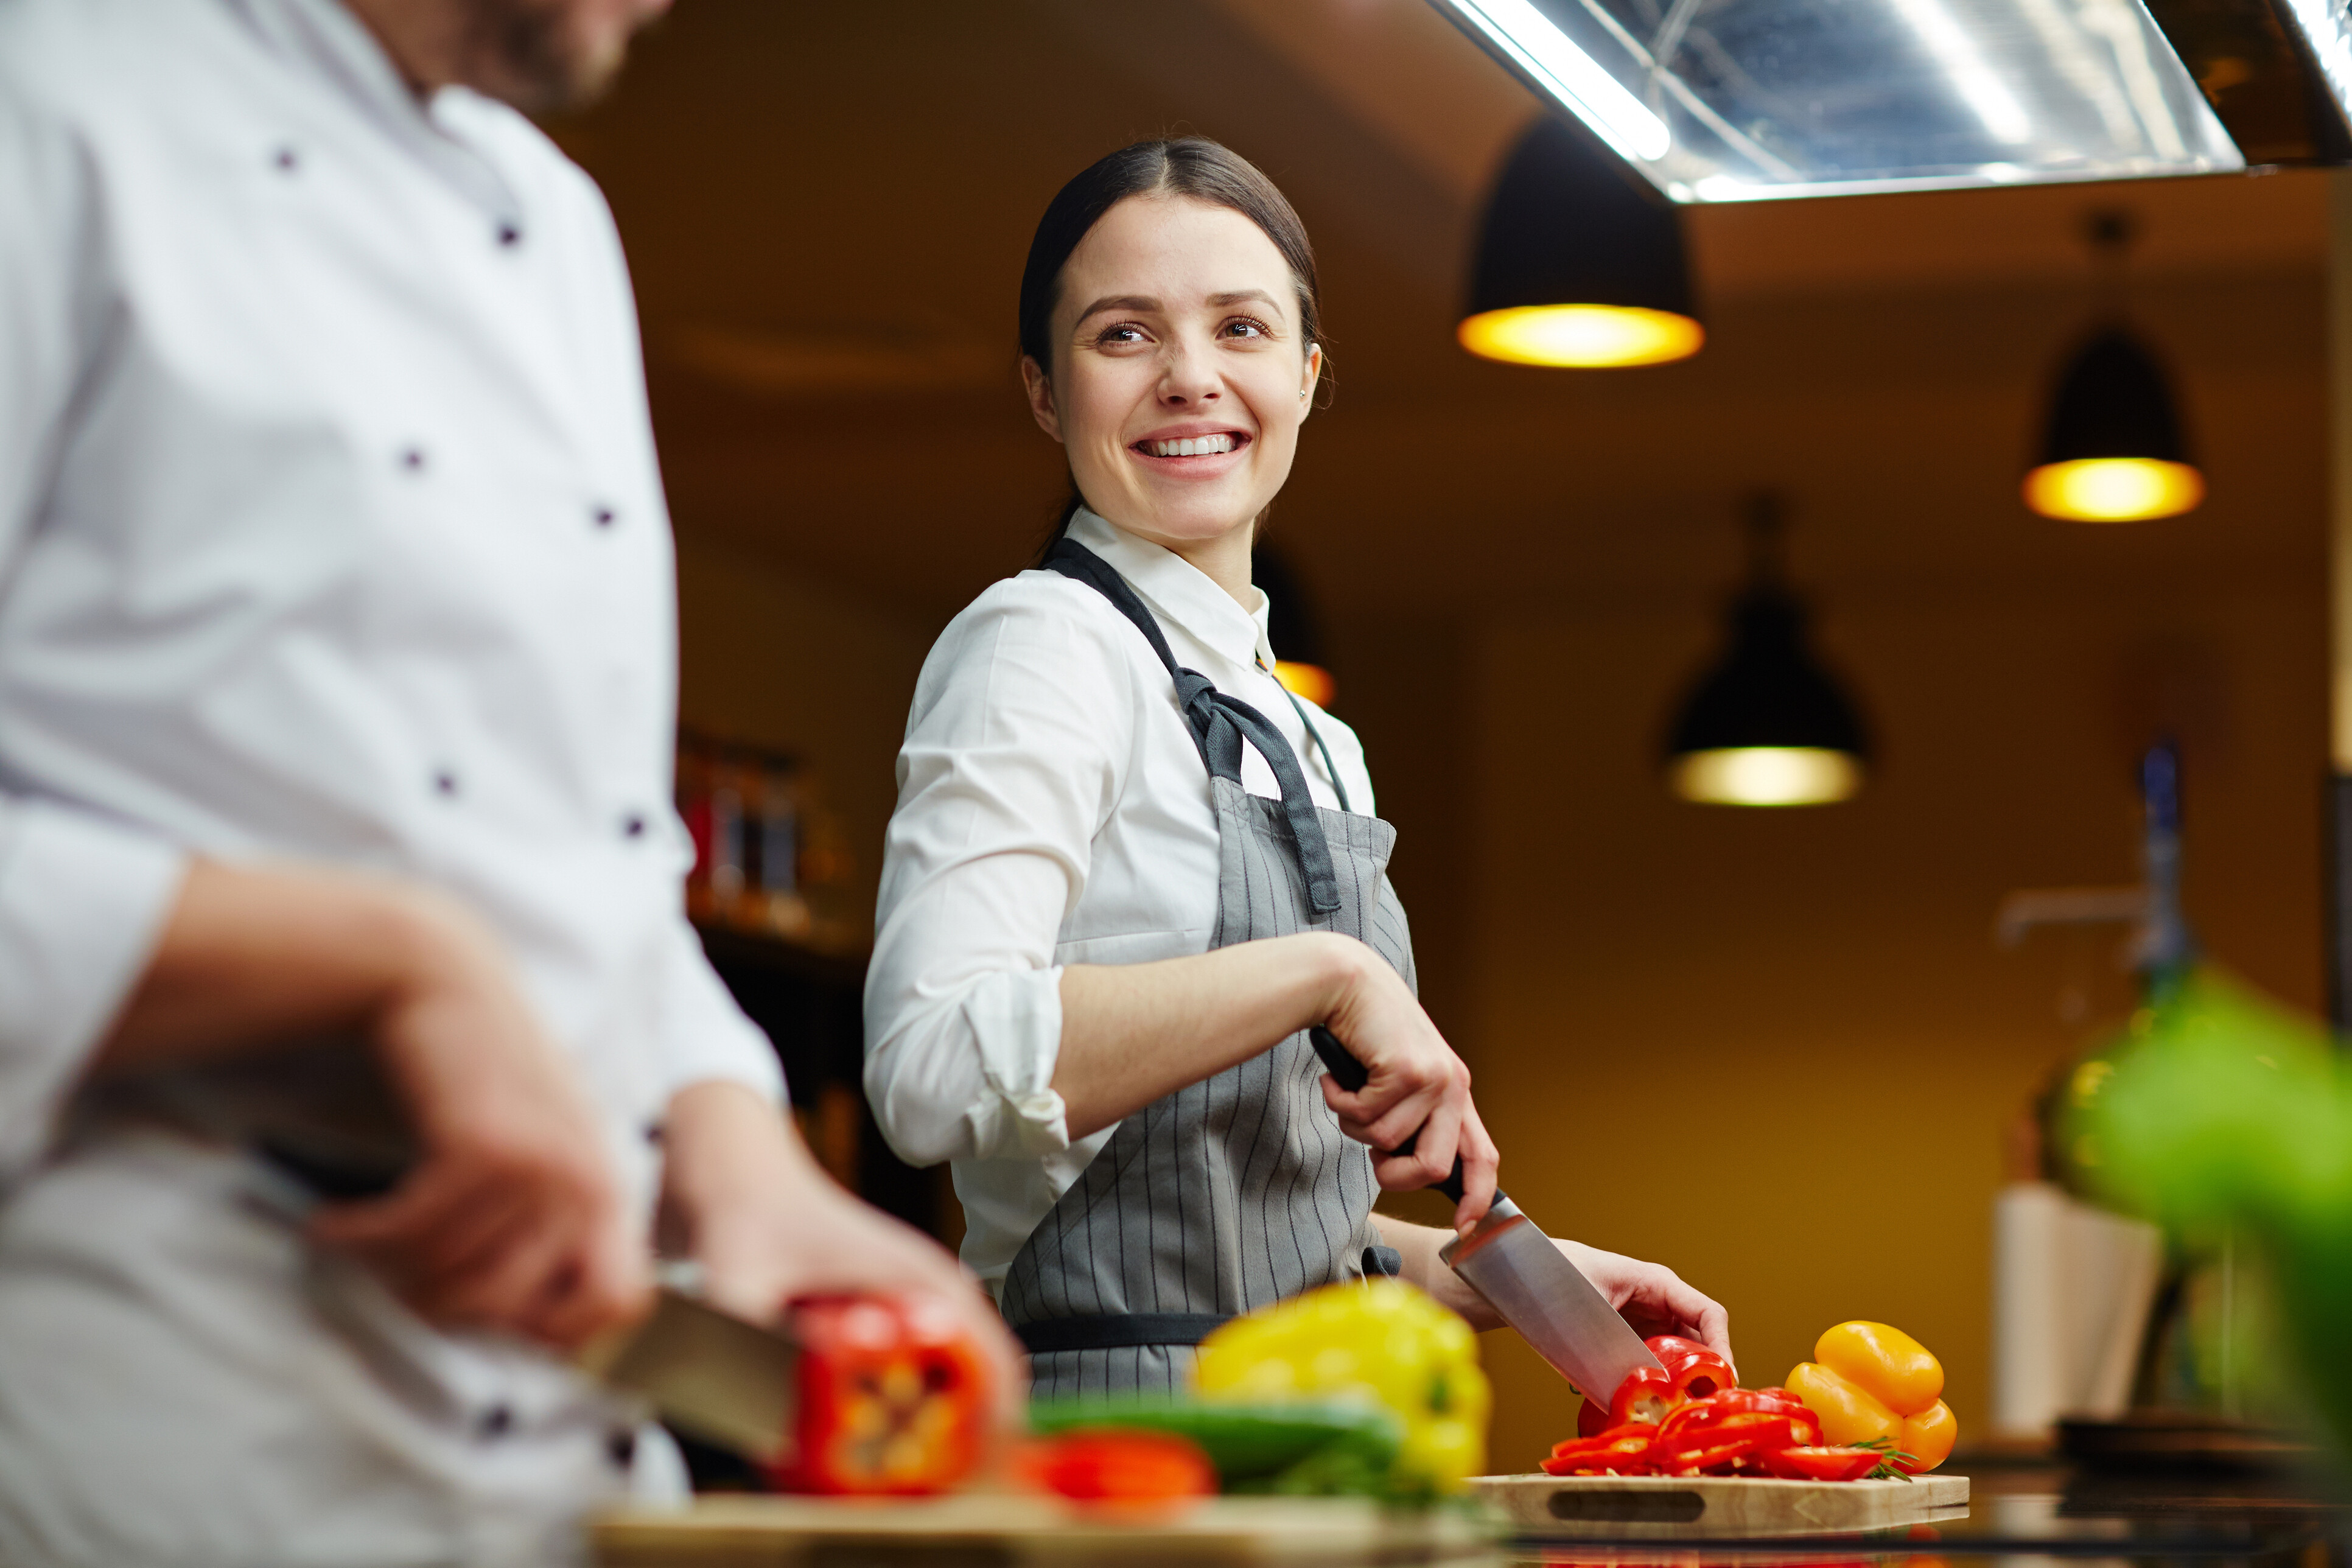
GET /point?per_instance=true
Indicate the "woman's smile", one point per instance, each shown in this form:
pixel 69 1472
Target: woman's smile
pixel 1191 452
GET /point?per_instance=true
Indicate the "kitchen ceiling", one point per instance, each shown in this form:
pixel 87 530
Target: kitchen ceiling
pixel 827 209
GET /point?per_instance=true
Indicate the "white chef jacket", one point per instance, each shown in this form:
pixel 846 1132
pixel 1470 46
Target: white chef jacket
pixel 1053 809
pixel 330 530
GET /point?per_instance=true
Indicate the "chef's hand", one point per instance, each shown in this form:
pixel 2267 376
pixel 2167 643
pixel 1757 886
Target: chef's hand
pixel 1417 1089
pixel 747 1202
pixel 1653 1298
pixel 511 1219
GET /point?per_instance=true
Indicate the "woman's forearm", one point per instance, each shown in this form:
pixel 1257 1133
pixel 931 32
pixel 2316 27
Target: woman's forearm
pixel 1134 1032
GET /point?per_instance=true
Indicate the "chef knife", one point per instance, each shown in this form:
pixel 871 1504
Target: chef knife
pixel 1529 1282
pixel 710 1374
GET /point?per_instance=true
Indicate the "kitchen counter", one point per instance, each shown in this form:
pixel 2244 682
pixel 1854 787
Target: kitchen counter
pixel 2034 1515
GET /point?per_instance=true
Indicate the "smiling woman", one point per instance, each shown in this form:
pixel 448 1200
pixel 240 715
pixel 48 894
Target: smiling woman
pixel 1128 871
pixel 1164 215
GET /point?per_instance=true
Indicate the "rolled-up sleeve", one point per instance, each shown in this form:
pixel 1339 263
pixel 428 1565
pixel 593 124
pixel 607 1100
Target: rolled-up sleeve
pixel 82 898
pixel 1013 762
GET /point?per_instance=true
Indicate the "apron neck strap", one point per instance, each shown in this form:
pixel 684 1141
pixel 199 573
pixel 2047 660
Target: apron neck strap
pixel 1219 722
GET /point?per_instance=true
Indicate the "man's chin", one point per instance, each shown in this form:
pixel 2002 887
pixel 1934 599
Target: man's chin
pixel 544 57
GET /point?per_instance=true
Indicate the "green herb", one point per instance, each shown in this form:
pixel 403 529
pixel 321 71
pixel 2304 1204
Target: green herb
pixel 1888 1457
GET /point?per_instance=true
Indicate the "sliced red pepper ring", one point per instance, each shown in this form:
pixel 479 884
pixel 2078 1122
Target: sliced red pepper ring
pixel 1604 1438
pixel 1666 1347
pixel 1700 1374
pixel 1815 1463
pixel 1621 1450
pixel 1778 1400
pixel 1708 1445
pixel 1647 1395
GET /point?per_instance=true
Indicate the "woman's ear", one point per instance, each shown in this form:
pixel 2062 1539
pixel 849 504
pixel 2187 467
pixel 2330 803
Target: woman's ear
pixel 1041 397
pixel 1314 379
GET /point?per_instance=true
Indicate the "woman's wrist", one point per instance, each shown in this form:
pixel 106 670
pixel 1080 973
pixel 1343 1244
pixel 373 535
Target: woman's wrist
pixel 1339 965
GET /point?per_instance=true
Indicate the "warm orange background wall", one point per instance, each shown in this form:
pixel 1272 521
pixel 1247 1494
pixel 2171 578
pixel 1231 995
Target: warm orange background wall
pixel 1776 1050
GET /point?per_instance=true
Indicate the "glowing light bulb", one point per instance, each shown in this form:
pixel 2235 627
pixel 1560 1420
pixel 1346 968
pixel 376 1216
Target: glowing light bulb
pixel 1766 775
pixel 2113 490
pixel 1584 336
pixel 1311 681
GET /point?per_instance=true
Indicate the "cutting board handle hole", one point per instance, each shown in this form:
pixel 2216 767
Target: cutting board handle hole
pixel 1627 1508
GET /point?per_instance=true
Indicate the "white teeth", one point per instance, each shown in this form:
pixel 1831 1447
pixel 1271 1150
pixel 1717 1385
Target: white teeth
pixel 1192 446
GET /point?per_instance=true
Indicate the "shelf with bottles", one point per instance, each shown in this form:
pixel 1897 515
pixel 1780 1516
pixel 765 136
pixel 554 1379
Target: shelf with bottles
pixel 771 863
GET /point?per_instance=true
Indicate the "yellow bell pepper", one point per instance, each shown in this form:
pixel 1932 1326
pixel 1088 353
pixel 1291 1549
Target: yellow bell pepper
pixel 1873 1383
pixel 1381 1341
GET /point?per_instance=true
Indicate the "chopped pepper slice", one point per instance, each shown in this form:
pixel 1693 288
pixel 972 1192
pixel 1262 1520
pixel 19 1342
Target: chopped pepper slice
pixel 1810 1464
pixel 1120 1467
pixel 1621 1451
pixel 1646 1395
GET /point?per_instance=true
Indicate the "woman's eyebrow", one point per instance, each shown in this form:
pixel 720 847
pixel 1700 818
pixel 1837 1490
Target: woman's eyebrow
pixel 1119 302
pixel 1242 296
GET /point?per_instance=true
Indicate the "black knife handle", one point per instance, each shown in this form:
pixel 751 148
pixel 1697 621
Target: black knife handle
pixel 1350 1075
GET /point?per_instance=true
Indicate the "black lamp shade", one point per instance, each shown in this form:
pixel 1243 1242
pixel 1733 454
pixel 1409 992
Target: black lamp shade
pixel 2112 402
pixel 1570 225
pixel 1767 691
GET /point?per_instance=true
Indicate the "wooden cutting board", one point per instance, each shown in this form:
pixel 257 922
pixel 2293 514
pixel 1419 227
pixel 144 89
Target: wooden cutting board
pixel 995 1531
pixel 1645 1508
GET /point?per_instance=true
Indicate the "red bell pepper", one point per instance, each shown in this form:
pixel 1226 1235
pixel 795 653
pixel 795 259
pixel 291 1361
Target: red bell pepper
pixel 1815 1463
pixel 894 1398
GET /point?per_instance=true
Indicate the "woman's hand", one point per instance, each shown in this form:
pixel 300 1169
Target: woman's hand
pixel 1653 1298
pixel 768 1226
pixel 1416 1087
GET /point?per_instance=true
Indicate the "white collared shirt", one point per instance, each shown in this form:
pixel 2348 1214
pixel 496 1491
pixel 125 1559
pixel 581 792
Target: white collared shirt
pixel 329 528
pixel 330 531
pixel 1053 809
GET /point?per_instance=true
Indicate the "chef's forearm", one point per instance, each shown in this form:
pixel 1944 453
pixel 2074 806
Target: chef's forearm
pixel 727 1151
pixel 1134 1032
pixel 250 959
pixel 1417 1245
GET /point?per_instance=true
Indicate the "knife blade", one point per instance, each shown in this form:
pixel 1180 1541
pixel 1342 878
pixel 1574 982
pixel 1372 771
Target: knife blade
pixel 1529 1282
pixel 710 1374
pixel 707 1373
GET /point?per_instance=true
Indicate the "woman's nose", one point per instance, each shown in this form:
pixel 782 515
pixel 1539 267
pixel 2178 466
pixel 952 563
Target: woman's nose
pixel 1187 379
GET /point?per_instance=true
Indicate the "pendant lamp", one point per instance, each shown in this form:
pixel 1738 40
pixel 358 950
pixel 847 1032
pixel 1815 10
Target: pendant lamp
pixel 1767 726
pixel 1292 627
pixel 2111 448
pixel 1580 262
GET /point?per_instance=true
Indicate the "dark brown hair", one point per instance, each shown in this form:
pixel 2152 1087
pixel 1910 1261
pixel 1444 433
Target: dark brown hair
pixel 1192 167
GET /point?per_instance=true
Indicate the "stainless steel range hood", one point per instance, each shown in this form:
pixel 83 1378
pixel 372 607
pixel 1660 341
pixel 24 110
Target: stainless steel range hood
pixel 1721 101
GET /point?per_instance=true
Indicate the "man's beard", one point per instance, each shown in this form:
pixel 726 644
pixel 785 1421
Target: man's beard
pixel 534 55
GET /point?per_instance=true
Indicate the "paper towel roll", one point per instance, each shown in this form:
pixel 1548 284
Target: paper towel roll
pixel 2072 1286
pixel 2030 1384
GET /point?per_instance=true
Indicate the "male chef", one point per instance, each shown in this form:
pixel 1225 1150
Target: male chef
pixel 351 1032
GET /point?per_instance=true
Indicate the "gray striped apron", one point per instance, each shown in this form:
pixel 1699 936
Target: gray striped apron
pixel 1239 1190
